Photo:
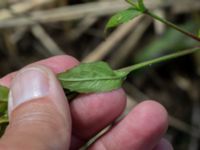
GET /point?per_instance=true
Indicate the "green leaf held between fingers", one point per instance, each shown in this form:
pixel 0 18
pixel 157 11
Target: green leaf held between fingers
pixel 92 77
pixel 3 107
pixel 3 99
pixel 4 119
pixel 3 123
pixel 122 17
pixel 99 77
pixel 4 93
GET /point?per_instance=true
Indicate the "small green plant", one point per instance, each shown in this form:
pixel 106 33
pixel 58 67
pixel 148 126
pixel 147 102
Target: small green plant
pixel 138 8
pixel 98 76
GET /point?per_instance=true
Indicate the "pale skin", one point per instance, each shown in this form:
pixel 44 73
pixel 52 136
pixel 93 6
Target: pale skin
pixel 44 125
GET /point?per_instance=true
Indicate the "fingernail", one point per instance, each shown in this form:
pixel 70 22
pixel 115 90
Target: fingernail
pixel 29 84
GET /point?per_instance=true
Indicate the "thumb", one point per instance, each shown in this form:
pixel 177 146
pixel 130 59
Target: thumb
pixel 38 112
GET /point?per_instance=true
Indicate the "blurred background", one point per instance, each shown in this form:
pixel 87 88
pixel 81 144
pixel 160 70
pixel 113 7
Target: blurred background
pixel 32 30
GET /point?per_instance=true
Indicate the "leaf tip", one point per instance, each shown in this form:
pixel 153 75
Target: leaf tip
pixel 122 17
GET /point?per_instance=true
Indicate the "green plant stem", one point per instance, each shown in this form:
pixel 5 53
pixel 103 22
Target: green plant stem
pixel 172 25
pixel 131 3
pixel 157 60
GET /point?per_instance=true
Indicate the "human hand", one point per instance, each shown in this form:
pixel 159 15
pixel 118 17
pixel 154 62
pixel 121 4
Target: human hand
pixel 42 119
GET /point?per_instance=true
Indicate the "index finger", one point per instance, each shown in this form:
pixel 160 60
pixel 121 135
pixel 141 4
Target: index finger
pixel 57 64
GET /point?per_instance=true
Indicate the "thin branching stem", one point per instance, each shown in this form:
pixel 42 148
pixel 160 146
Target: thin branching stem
pixel 160 59
pixel 172 25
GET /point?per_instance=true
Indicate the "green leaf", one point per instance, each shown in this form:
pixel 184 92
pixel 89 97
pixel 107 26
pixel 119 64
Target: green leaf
pixel 99 77
pixel 199 33
pixel 3 100
pixel 122 17
pixel 3 124
pixel 3 107
pixel 92 77
pixel 4 119
pixel 141 5
pixel 4 93
pixel 137 4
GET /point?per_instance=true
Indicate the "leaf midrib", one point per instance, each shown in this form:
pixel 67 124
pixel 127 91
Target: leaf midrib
pixel 87 79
